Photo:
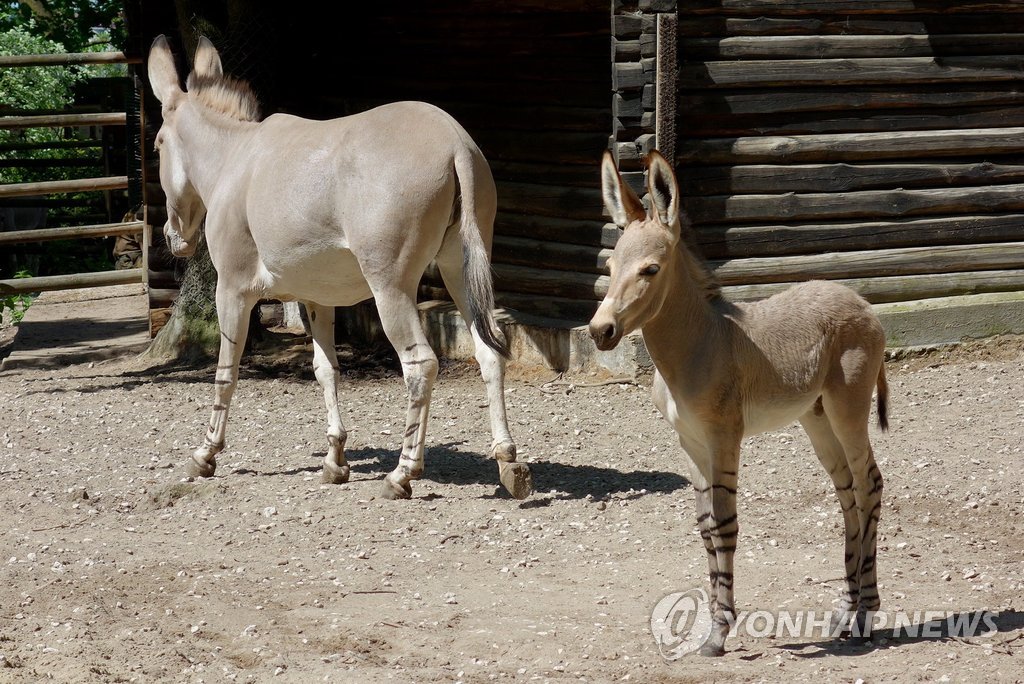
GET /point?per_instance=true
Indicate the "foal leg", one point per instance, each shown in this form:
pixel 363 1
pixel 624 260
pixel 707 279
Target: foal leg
pixel 401 322
pixel 833 458
pixel 514 476
pixel 325 367
pixel 849 419
pixel 233 315
pixel 717 484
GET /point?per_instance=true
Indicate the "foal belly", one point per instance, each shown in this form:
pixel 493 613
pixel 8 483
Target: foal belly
pixel 772 415
pixel 331 278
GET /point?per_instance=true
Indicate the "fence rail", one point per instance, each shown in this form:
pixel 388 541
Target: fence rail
pixel 71 281
pixel 55 187
pixel 60 120
pixel 70 232
pixel 68 58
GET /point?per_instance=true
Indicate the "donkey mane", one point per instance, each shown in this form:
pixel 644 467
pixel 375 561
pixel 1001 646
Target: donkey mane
pixel 226 95
pixel 695 264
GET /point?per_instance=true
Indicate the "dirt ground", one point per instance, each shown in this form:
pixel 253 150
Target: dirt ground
pixel 115 569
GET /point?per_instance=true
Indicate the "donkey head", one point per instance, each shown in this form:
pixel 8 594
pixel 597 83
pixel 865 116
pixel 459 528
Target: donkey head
pixel 644 253
pixel 185 208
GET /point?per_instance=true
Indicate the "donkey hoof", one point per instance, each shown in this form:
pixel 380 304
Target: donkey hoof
pixel 516 478
pixel 335 474
pixel 394 492
pixel 504 452
pixel 201 468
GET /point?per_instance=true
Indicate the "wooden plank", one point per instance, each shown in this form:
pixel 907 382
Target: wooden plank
pixel 849 24
pixel 70 282
pixel 729 241
pixel 546 254
pixel 828 47
pixel 70 232
pixel 538 281
pixel 851 146
pixel 852 121
pixel 904 288
pixel 547 200
pixel 781 178
pixel 871 263
pixel 732 8
pixel 54 187
pixel 61 120
pixel 66 59
pixel 580 310
pixel 845 205
pixel 570 231
pixel 854 71
pixel 582 175
pixel 782 102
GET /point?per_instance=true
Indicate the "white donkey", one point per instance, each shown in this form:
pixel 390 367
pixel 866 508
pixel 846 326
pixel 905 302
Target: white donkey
pixel 813 353
pixel 332 213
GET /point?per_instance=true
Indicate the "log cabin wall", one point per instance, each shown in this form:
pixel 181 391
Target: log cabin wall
pixel 874 142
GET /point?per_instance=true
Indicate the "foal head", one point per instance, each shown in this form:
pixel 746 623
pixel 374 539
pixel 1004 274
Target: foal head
pixel 645 253
pixel 209 89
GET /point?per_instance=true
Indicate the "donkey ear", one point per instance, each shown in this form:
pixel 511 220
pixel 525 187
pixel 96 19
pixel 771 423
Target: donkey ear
pixel 207 62
pixel 664 189
pixel 620 200
pixel 163 75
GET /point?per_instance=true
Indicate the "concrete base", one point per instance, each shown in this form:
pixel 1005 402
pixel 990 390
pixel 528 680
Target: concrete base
pixel 948 320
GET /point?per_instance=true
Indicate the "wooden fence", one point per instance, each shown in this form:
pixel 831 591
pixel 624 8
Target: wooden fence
pixel 102 184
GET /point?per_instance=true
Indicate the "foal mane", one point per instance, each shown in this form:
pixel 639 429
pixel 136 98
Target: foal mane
pixel 695 264
pixel 226 95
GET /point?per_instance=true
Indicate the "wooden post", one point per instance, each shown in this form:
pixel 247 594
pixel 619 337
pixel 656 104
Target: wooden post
pixel 667 95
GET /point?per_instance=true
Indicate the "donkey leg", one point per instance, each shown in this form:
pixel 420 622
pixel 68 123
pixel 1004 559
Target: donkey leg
pixel 325 367
pixel 850 422
pixel 233 315
pixel 832 456
pixel 400 320
pixel 702 494
pixel 721 525
pixel 514 476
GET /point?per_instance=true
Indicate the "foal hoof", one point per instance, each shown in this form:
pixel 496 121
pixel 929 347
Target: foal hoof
pixel 516 478
pixel 198 468
pixel 504 452
pixel 394 492
pixel 712 650
pixel 335 474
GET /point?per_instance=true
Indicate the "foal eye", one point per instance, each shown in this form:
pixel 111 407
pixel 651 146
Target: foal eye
pixel 650 270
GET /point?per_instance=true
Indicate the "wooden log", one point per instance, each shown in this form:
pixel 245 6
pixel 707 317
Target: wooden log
pixel 62 120
pixel 780 102
pixel 666 86
pixel 829 47
pixel 66 59
pixel 904 288
pixel 542 146
pixel 162 297
pixel 849 24
pixel 851 146
pixel 776 178
pixel 55 187
pixel 576 310
pixel 547 200
pixel 571 231
pixel 579 175
pixel 855 71
pixel 725 241
pixel 845 205
pixel 758 8
pixel 70 233
pixel 553 255
pixel 28 163
pixel 538 281
pixel 49 145
pixel 871 263
pixel 70 282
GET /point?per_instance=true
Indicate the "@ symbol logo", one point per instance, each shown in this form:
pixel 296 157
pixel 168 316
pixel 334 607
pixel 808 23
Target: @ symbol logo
pixel 681 623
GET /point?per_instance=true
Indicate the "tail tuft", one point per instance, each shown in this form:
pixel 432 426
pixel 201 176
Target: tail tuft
pixel 883 399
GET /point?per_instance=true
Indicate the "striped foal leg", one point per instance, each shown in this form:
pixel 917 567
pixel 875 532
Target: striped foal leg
pixel 233 316
pixel 723 528
pixel 833 458
pixel 325 367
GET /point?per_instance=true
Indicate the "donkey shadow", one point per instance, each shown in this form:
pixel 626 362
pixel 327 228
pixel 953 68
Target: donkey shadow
pixel 981 626
pixel 446 464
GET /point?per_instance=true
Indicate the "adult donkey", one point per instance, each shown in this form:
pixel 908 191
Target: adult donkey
pixel 812 353
pixel 331 213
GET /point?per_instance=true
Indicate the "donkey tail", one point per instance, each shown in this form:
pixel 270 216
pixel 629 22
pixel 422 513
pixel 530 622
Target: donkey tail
pixel 471 170
pixel 883 399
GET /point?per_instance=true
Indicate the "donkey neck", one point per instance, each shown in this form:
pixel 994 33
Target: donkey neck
pixel 690 327
pixel 213 141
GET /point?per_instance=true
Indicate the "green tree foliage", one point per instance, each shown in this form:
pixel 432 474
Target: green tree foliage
pixel 77 25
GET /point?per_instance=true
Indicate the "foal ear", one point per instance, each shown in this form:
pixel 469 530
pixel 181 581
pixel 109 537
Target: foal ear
pixel 163 75
pixel 207 62
pixel 620 200
pixel 664 189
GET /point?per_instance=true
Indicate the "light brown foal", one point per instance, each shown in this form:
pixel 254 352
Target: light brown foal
pixel 812 353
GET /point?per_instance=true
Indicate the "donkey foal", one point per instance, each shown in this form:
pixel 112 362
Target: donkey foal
pixel 726 370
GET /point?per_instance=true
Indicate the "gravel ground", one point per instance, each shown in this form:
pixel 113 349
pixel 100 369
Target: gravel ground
pixel 114 568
